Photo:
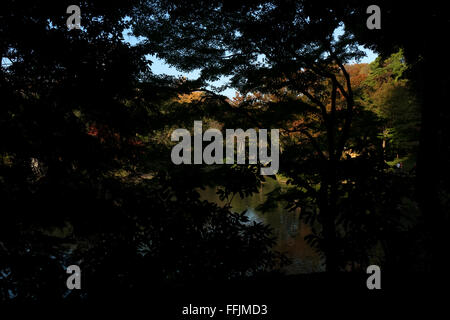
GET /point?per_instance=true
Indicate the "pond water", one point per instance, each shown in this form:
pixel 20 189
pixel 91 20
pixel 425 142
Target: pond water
pixel 288 229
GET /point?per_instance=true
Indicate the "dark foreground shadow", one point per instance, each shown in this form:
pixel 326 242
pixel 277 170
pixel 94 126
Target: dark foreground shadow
pixel 318 295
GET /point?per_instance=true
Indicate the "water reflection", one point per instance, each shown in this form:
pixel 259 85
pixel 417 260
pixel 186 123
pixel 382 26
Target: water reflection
pixel 288 229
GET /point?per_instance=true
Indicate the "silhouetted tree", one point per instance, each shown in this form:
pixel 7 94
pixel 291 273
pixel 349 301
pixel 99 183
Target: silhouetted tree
pixel 268 47
pixel 418 31
pixel 79 119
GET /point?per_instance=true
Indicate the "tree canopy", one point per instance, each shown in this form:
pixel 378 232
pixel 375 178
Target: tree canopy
pixel 85 125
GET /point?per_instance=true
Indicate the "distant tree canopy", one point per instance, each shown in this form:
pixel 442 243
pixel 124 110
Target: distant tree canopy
pixel 389 95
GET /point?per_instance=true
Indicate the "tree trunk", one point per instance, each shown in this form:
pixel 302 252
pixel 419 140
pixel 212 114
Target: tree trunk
pixel 328 211
pixel 433 159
